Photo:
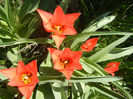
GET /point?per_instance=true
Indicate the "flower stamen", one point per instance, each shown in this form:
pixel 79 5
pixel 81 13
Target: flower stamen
pixel 59 29
pixel 64 62
pixel 26 78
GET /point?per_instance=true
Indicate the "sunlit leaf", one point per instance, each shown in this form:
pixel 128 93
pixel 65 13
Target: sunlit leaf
pixel 117 53
pixel 100 23
pixel 21 41
pixel 95 57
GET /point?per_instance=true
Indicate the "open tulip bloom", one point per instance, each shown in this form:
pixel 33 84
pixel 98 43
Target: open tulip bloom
pixel 25 77
pixel 112 67
pixel 66 61
pixel 59 24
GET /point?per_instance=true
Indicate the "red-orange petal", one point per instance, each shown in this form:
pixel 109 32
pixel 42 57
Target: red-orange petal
pixel 26 91
pixel 57 65
pixel 32 66
pixel 71 18
pixel 58 39
pixel 77 55
pixel 112 67
pixel 10 73
pixel 46 17
pixel 67 53
pixel 21 67
pixel 76 66
pixel 51 50
pixel 16 81
pixel 58 18
pixel 55 54
pixel 89 44
pixel 67 73
pixel 69 30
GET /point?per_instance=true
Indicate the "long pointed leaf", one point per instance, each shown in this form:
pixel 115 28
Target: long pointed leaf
pixel 21 41
pixel 95 57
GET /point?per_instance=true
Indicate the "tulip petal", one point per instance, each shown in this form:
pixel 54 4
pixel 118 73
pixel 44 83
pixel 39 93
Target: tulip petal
pixel 55 55
pixel 21 67
pixel 32 66
pixel 68 30
pixel 58 18
pixel 46 17
pixel 58 39
pixel 57 66
pixel 89 44
pixel 75 66
pixel 67 53
pixel 112 67
pixel 51 50
pixel 77 55
pixel 10 73
pixel 71 18
pixel 67 73
pixel 26 91
pixel 16 81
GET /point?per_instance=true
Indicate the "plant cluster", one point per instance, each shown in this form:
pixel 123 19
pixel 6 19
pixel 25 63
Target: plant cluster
pixel 64 64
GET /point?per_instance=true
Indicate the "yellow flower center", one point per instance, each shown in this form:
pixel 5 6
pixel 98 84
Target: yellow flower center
pixel 26 78
pixel 59 29
pixel 64 63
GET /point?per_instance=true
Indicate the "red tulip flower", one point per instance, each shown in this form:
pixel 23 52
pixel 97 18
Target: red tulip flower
pixel 112 67
pixel 25 77
pixel 59 24
pixel 66 61
pixel 89 44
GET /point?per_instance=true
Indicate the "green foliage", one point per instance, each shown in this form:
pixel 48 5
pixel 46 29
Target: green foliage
pixel 21 39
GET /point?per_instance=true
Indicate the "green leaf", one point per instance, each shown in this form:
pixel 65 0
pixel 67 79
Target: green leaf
pixel 59 79
pixel 5 34
pixel 101 71
pixel 125 92
pixel 2 13
pixel 32 26
pixel 47 63
pixel 22 40
pixel 94 79
pixel 97 25
pixel 3 24
pixel 96 57
pixel 93 28
pixel 78 90
pixel 44 92
pixel 93 66
pixel 88 34
pixel 48 71
pixel 87 68
pixel 7 8
pixel 117 53
pixel 105 92
pixel 60 90
pixel 14 56
pixel 29 6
